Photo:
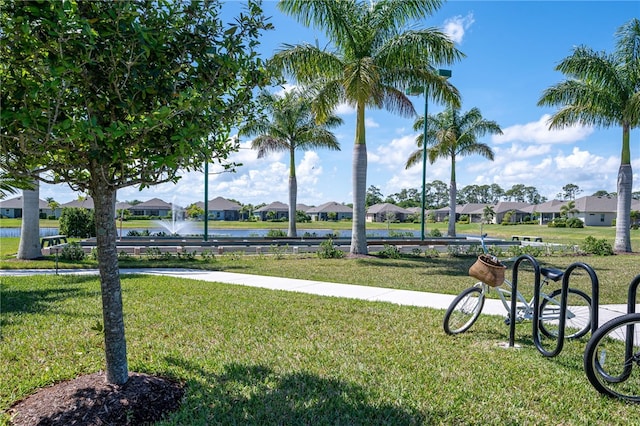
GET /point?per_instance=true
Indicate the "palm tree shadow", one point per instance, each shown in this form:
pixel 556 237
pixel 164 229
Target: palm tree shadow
pixel 258 395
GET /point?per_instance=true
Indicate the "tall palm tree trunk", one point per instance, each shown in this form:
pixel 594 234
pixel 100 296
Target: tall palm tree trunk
pixel 623 234
pixel 29 247
pixel 293 191
pixel 106 232
pixel 451 230
pixel 359 182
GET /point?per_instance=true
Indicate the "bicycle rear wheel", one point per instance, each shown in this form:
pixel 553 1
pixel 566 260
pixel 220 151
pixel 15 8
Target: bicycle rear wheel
pixel 578 316
pixel 612 358
pixel 463 311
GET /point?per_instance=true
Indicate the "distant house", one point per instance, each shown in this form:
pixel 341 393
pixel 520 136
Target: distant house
pixel 475 211
pixel 154 207
pixel 442 213
pixel 275 210
pixel 518 209
pixel 596 211
pixel 12 208
pixel 330 211
pixel 221 209
pixel 545 212
pixel 380 212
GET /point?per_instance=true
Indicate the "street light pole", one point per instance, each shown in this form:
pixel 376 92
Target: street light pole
pixel 445 74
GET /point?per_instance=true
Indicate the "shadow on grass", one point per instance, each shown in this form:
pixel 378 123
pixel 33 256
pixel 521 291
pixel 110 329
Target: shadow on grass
pixel 33 300
pixel 457 266
pixel 258 395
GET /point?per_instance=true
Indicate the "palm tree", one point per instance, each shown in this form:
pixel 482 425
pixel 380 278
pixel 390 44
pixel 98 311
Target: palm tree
pixel 488 213
pixel 372 62
pixel 292 126
pixel 604 90
pixel 452 135
pixel 568 209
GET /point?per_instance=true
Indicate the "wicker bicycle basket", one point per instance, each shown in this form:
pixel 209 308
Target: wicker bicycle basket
pixel 488 270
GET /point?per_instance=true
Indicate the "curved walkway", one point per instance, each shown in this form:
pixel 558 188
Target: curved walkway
pixel 321 288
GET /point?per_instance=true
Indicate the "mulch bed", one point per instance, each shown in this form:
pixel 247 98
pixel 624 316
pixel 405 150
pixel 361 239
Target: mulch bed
pixel 90 400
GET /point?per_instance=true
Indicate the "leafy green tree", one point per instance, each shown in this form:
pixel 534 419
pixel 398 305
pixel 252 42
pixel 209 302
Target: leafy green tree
pixel 374 196
pixel 604 90
pixel 77 222
pixel 194 212
pixel 451 135
pixel 373 59
pixel 106 95
pixel 437 194
pixel 570 191
pixel 289 126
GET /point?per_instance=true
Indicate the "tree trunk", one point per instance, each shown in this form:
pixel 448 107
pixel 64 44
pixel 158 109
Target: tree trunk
pixel 623 225
pixel 293 196
pixel 451 230
pixel 359 185
pixel 29 247
pixel 104 198
pixel 358 230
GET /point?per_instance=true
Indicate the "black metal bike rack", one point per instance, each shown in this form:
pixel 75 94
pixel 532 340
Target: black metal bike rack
pixel 633 295
pixel 514 292
pixel 595 290
pixel 631 309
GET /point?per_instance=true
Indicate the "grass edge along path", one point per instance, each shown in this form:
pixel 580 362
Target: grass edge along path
pixel 255 356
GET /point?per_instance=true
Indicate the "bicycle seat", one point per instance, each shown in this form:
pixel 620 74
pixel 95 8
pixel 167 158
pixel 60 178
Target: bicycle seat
pixel 552 273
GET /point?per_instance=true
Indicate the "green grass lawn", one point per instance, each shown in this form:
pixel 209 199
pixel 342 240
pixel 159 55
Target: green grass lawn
pixel 255 356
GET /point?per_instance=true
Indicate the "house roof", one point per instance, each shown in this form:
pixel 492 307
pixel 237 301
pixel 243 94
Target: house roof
pixel 154 203
pixel 593 204
pixel 275 206
pixel 472 208
pixel 330 207
pixel 552 206
pixel 16 203
pixel 505 206
pixel 220 203
pixel 386 207
pixel 87 203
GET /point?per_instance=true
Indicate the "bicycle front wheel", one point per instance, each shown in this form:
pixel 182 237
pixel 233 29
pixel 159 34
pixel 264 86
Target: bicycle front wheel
pixel 578 316
pixel 612 358
pixel 463 311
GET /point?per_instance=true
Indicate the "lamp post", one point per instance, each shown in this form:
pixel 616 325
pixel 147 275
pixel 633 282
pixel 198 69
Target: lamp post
pixel 445 74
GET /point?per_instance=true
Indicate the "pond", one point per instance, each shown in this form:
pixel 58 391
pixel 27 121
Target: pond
pixel 235 233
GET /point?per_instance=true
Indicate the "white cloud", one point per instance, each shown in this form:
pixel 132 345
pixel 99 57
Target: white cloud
pixel 371 123
pixel 456 27
pixel 538 132
pixel 345 109
pixel 395 154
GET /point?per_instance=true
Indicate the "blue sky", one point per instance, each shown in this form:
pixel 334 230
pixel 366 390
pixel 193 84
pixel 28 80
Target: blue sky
pixel 511 48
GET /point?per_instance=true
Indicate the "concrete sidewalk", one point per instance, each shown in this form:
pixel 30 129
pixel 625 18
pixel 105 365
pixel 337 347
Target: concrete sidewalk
pixel 378 294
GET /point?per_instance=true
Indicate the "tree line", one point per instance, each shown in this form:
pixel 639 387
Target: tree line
pixel 437 195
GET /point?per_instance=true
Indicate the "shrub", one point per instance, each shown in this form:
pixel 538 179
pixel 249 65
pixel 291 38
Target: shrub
pixel 574 222
pixel 274 233
pixel 390 252
pixel 435 233
pixel 77 222
pixel 328 251
pixel 599 247
pixel 72 251
pixel 558 222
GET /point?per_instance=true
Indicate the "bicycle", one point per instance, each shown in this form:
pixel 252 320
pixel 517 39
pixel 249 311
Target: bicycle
pixel 467 306
pixel 613 351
